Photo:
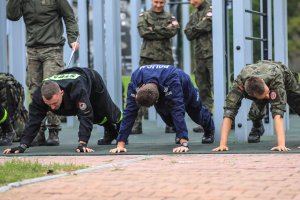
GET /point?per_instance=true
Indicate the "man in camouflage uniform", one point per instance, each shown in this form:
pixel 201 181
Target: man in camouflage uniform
pixel 7 131
pixel 45 41
pixel 156 27
pixel 264 82
pixel 199 31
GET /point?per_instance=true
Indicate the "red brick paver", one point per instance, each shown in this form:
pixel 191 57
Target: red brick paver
pixel 212 177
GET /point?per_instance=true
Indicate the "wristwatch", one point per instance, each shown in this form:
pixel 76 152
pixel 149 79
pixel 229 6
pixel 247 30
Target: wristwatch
pixel 185 144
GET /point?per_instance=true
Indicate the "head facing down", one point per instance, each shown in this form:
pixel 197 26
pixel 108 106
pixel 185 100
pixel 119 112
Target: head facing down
pixel 257 88
pixel 52 94
pixel 147 95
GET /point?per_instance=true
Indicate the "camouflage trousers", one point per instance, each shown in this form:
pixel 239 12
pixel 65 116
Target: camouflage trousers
pixel 43 63
pixel 205 82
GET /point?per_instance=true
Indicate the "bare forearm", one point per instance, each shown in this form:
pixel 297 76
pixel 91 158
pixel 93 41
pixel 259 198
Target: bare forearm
pixel 279 129
pixel 225 130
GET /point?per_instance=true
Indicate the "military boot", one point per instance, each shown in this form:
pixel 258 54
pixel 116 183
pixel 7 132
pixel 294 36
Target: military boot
pixel 208 137
pixel 137 128
pixel 169 129
pixel 8 135
pixel 110 134
pixel 198 129
pixel 256 131
pixel 53 139
pixel 39 139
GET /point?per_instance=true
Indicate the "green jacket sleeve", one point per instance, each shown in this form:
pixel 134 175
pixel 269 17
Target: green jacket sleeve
pixel 67 13
pixel 198 25
pixel 278 96
pixel 13 10
pixel 156 32
pixel 195 29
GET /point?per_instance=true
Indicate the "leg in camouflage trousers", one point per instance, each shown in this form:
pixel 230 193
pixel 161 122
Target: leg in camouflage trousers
pixel 46 61
pixel 205 84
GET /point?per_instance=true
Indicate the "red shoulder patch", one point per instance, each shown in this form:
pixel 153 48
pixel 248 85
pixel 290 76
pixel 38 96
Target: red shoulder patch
pixel 241 87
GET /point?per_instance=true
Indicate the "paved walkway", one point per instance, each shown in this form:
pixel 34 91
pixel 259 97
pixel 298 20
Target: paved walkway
pixel 163 177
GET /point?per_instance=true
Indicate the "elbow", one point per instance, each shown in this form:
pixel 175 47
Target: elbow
pixel 13 17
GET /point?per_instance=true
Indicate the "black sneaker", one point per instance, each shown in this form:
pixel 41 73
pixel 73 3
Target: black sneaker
pixel 198 129
pixel 208 137
pixel 39 139
pixel 137 129
pixel 255 133
pixel 169 129
pixel 53 139
pixel 7 139
pixel 109 136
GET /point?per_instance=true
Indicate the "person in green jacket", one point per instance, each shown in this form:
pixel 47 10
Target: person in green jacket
pixel 199 31
pixel 156 27
pixel 44 40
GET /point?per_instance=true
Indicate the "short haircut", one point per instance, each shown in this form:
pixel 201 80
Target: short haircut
pixel 254 86
pixel 147 95
pixel 49 88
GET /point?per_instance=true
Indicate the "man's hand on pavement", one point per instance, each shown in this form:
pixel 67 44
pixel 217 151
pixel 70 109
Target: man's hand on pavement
pixel 221 148
pixel 180 149
pixel 19 149
pixel 280 148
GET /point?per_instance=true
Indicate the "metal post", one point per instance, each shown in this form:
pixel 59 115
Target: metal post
pixel 241 54
pixel 67 53
pixel 3 37
pixel 113 50
pixel 17 52
pixel 135 37
pixel 219 60
pixel 98 36
pixel 83 24
pixel 186 43
pixel 266 52
pixel 280 39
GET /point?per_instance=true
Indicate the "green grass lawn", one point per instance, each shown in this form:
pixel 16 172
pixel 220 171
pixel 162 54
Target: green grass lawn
pixel 18 170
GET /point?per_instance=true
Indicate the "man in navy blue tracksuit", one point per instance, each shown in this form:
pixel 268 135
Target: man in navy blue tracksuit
pixel 175 96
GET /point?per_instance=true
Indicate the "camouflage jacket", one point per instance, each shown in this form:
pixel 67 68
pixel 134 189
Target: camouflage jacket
pixel 277 77
pixel 43 20
pixel 156 36
pixel 199 30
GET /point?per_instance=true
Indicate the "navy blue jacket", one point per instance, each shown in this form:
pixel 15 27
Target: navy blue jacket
pixel 175 92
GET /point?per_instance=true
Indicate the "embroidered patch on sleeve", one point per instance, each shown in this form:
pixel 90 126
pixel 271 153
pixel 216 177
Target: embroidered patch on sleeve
pixel 82 105
pixel 209 14
pixel 273 95
pixel 241 88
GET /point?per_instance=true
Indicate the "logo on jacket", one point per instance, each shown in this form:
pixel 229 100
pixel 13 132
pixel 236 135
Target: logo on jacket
pixel 167 92
pixel 82 105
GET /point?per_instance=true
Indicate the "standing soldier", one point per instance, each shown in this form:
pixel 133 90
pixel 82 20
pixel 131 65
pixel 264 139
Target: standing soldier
pixel 264 82
pixel 199 30
pixel 156 27
pixel 45 41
